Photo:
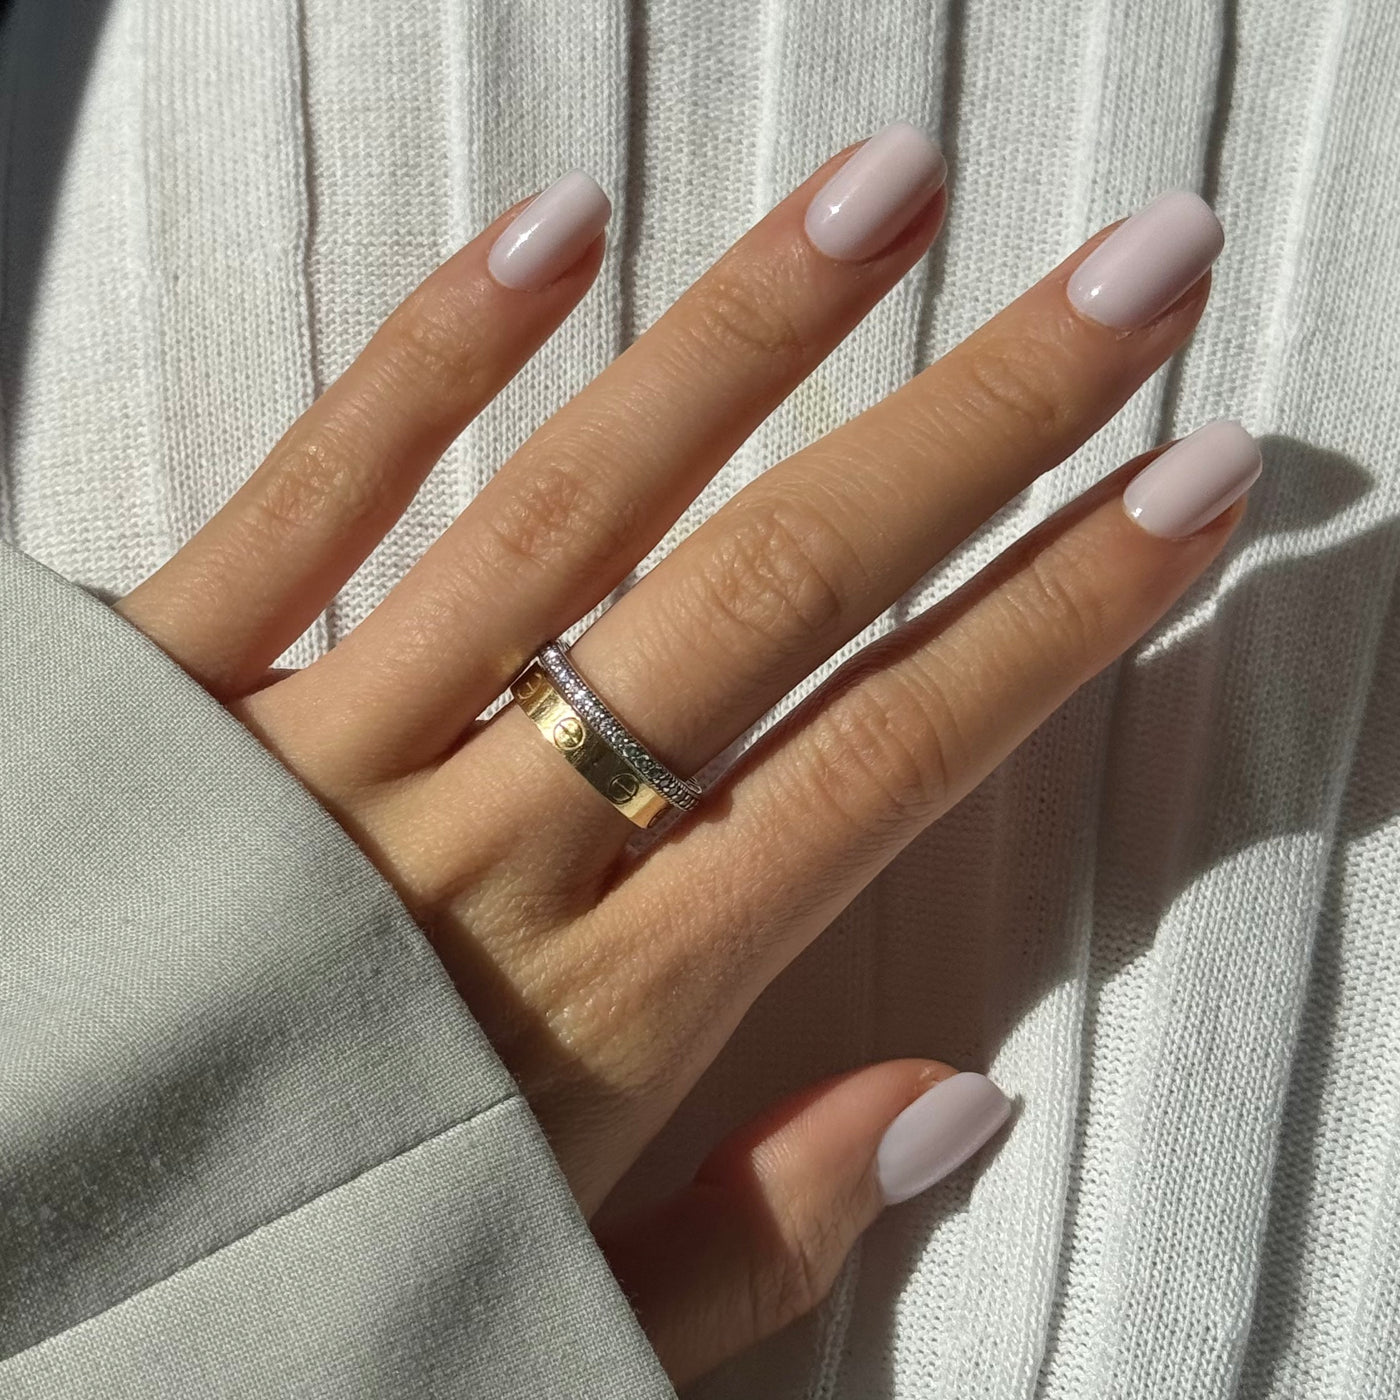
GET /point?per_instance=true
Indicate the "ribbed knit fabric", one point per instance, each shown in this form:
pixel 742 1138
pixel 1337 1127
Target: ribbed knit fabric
pixel 1170 922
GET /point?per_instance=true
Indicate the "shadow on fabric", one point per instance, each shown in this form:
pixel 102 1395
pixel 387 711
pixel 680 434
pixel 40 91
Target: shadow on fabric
pixel 46 53
pixel 1245 799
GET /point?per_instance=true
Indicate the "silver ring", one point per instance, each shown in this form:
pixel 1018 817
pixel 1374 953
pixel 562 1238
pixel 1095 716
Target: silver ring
pixel 553 659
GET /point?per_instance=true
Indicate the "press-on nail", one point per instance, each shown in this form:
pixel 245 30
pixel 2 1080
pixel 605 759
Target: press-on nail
pixel 938 1132
pixel 548 236
pixel 1194 480
pixel 1147 261
pixel 874 195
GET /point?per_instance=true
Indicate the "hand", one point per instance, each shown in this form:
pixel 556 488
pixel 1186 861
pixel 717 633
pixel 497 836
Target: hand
pixel 609 977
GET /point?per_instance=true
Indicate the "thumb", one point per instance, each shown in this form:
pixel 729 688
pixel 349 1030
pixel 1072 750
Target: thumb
pixel 759 1235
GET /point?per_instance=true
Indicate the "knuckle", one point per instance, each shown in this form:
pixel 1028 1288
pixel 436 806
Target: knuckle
pixel 885 754
pixel 741 317
pixel 309 483
pixel 798 1274
pixel 1063 604
pixel 552 515
pixel 430 341
pixel 778 575
pixel 1012 387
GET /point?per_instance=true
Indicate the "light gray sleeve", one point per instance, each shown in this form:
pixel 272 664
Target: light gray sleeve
pixel 252 1143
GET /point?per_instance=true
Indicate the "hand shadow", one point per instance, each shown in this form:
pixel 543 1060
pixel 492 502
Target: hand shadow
pixel 1006 931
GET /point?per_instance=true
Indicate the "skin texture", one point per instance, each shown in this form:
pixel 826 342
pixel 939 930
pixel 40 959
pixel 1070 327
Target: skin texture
pixel 607 979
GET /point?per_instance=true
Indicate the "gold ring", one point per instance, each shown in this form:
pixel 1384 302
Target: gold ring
pixel 608 771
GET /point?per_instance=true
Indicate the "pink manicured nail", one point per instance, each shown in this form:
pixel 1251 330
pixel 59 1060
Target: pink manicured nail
pixel 1194 480
pixel 875 194
pixel 938 1132
pixel 1147 261
pixel 549 235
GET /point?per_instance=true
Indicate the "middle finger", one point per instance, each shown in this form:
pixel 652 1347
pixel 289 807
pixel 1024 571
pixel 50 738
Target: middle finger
pixel 804 557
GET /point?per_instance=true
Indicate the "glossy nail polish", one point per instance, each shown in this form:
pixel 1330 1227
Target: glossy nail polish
pixel 549 235
pixel 874 195
pixel 1194 480
pixel 1148 261
pixel 937 1133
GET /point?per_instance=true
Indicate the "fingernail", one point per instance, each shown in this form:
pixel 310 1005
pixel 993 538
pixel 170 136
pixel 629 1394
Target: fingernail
pixel 1194 480
pixel 938 1132
pixel 548 236
pixel 1147 261
pixel 874 195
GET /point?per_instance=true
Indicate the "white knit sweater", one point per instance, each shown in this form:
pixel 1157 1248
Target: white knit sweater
pixel 1169 923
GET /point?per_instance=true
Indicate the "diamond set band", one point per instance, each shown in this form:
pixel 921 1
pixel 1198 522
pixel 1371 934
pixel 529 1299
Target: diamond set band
pixel 585 731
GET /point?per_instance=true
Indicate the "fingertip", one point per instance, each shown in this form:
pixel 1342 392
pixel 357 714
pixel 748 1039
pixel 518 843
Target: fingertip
pixel 551 234
pixel 1194 481
pixel 875 194
pixel 1148 263
pixel 589 192
pixel 936 1133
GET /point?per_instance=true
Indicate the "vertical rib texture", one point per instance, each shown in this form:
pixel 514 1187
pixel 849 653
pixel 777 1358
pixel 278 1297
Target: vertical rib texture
pixel 1169 922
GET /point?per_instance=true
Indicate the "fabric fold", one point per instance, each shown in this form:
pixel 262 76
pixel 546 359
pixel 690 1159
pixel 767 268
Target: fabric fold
pixel 250 1135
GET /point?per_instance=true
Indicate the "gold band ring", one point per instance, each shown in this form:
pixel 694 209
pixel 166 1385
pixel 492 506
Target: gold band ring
pixel 568 732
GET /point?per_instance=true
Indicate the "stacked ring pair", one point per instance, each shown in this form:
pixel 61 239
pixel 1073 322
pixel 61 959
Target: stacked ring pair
pixel 580 726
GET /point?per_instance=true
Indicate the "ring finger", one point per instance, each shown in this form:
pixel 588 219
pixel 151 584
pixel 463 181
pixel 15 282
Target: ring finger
pixel 804 557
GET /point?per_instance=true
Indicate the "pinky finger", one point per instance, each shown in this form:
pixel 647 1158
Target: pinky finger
pixel 757 1239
